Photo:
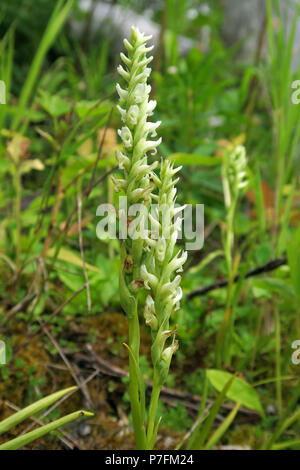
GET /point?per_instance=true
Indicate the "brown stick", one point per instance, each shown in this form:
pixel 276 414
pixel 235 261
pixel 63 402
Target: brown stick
pixel 270 266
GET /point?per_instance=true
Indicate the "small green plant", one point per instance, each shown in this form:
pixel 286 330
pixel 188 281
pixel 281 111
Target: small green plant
pixel 31 410
pixel 234 179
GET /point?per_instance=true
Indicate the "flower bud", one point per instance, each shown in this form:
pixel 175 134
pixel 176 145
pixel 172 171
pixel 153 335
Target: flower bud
pixel 165 361
pixel 149 313
pixel 121 92
pixel 123 73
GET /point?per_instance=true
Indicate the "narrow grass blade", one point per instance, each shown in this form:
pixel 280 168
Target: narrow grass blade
pixel 21 441
pixel 222 428
pixel 286 445
pixel 59 15
pixel 201 415
pixel 32 409
pixel 281 426
pixel 212 414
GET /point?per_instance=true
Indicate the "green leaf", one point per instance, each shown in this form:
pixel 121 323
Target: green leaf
pixel 189 159
pixel 92 108
pixel 139 378
pixel 220 431
pixel 54 105
pixel 32 409
pixel 240 391
pixel 21 441
pixel 204 262
pixel 198 439
pixel 284 420
pixel 72 281
pixel 56 21
pixel 271 285
pixel 70 257
pixel 286 444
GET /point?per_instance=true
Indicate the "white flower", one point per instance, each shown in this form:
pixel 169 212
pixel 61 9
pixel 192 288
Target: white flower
pixel 123 161
pixel 122 112
pixel 132 115
pixel 150 279
pixel 138 94
pixel 161 249
pixel 177 297
pixel 151 128
pixel 169 351
pixel 151 145
pixel 169 287
pixel 126 137
pixel 150 107
pixel 176 264
pixel 121 92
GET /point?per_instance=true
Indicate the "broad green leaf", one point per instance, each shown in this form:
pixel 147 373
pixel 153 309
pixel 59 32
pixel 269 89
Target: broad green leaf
pixel 72 281
pixel 70 257
pixel 240 391
pixel 54 105
pixel 92 108
pixel 32 409
pixel 21 441
pixel 189 159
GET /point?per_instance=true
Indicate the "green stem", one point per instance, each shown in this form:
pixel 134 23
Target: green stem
pixel 153 407
pixel 18 214
pixel 230 235
pixel 278 361
pixel 136 408
pixel 229 326
pixel 225 332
